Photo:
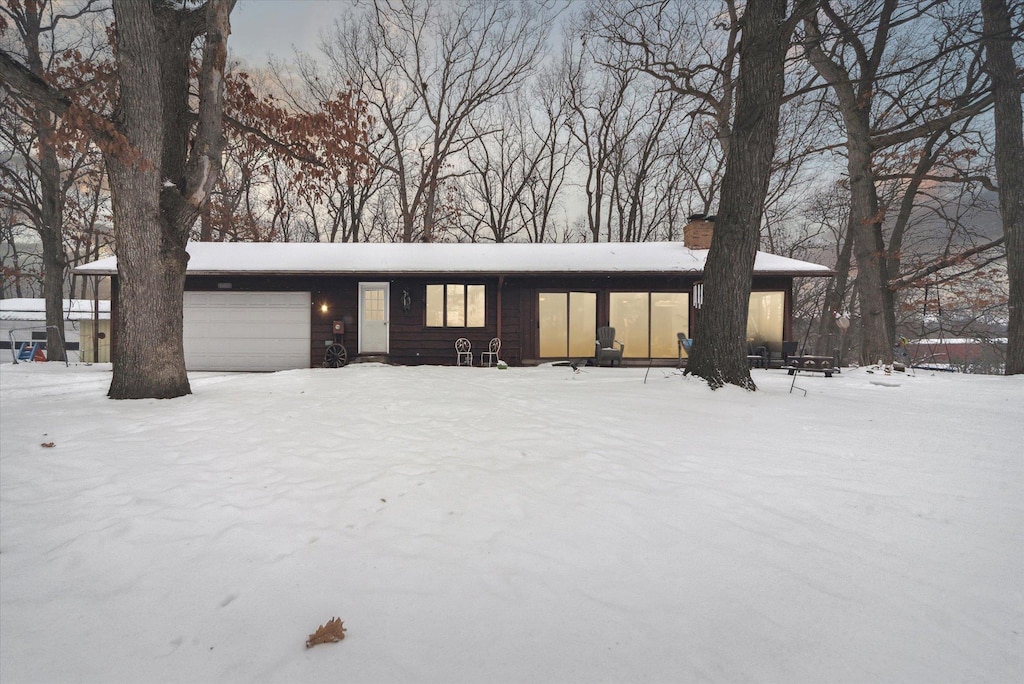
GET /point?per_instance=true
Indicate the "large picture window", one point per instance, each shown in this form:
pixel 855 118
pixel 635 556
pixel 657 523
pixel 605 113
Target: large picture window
pixel 648 323
pixel 456 306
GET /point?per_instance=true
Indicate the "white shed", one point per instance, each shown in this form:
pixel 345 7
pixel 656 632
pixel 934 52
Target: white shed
pixel 24 320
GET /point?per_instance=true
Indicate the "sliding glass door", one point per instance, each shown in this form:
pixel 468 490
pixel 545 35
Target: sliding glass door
pixel 567 325
pixel 648 323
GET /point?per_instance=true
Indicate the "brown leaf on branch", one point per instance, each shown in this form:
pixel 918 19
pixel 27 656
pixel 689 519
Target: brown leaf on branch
pixel 327 633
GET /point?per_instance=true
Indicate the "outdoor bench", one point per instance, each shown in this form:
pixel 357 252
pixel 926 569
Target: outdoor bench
pixel 811 364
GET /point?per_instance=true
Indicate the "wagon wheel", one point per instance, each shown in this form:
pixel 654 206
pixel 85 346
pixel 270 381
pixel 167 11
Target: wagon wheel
pixel 336 356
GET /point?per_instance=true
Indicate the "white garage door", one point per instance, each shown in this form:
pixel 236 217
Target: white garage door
pixel 246 331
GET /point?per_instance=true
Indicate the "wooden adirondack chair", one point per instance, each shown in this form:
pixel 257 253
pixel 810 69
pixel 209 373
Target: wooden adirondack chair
pixel 604 347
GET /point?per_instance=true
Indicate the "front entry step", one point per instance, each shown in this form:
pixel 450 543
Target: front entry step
pixel 371 358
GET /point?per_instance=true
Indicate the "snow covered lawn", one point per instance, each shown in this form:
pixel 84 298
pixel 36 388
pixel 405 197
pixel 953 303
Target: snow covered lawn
pixel 523 525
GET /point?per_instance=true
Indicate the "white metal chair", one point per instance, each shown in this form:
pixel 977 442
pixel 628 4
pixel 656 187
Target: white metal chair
pixel 463 352
pixel 491 355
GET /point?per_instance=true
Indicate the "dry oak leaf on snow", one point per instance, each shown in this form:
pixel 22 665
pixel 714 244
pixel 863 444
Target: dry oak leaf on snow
pixel 327 633
pixel 48 445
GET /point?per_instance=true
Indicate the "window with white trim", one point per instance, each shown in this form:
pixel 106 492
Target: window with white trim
pixel 456 306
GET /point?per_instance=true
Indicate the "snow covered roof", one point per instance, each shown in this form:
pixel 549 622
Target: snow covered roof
pixel 961 340
pixel 34 309
pixel 298 258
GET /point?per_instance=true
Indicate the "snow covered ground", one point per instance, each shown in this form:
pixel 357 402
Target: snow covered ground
pixel 523 525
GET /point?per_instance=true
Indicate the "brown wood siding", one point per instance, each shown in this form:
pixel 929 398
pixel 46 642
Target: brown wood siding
pixel 512 335
pixel 412 342
pixel 342 299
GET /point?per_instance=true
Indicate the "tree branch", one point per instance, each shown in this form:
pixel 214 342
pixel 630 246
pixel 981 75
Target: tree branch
pixel 954 260
pixel 86 9
pixel 21 82
pixel 985 181
pixel 204 162
pixel 295 152
pixel 882 140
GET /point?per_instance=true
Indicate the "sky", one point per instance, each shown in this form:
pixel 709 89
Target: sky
pixel 518 525
pixel 263 27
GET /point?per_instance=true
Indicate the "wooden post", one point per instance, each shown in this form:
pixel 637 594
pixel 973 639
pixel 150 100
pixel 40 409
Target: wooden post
pixel 501 286
pixel 96 319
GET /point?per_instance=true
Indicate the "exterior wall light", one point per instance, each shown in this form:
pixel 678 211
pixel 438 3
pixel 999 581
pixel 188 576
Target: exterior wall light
pixel 323 308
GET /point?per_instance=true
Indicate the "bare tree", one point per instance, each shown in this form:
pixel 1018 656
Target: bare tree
pixel 519 158
pixel 598 104
pixel 693 49
pixel 88 234
pixel 689 47
pixel 628 130
pixel 938 232
pixel 1000 17
pixel 163 162
pixel 20 269
pixel 689 50
pixel 504 159
pixel 51 48
pixel 888 96
pixel 427 70
pixel 551 123
pixel 829 209
pixel 719 352
pixel 303 151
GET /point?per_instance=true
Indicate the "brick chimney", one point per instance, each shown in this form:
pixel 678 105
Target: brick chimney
pixel 697 233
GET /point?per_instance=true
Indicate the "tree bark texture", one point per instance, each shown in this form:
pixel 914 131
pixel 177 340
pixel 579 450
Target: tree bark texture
pixel 161 184
pixel 51 234
pixel 51 195
pixel 829 335
pixel 1009 158
pixel 868 243
pixel 147 363
pixel 865 221
pixel 719 352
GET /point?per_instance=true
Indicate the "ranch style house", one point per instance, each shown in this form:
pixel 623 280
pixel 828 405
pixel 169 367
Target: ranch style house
pixel 276 306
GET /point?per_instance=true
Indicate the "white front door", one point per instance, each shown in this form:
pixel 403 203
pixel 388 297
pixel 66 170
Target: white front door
pixel 373 317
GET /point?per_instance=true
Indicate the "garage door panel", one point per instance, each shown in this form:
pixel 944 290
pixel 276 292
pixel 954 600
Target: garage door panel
pixel 206 314
pixel 247 330
pixel 270 332
pixel 258 347
pixel 278 298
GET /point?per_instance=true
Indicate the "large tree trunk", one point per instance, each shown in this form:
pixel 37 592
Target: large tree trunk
pixel 148 356
pixel 868 243
pixel 865 221
pixel 149 359
pixel 163 162
pixel 1009 157
pixel 160 188
pixel 719 351
pixel 51 234
pixel 51 196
